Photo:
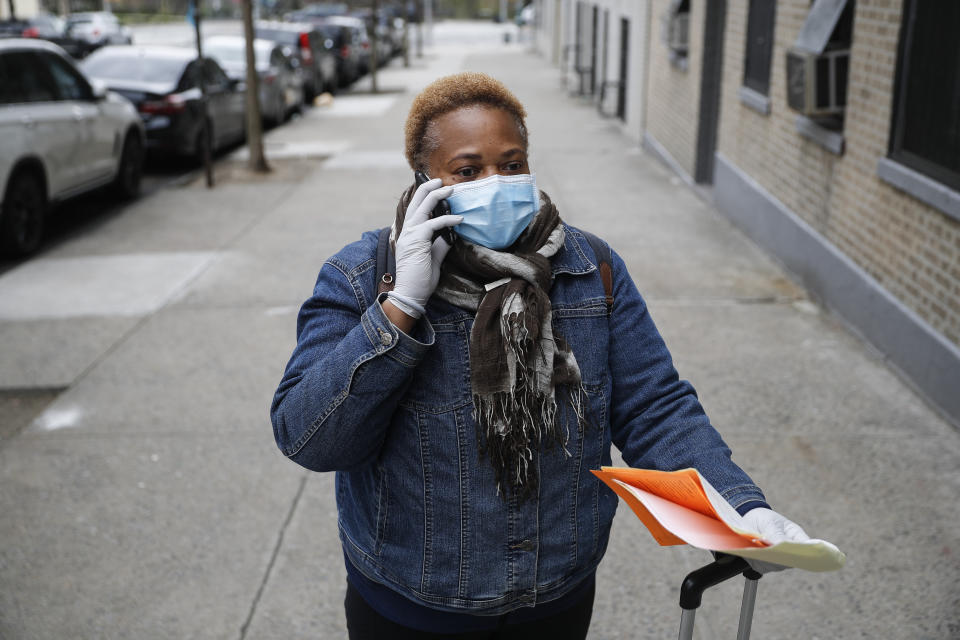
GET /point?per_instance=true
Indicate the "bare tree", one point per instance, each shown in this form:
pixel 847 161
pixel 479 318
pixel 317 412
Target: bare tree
pixel 257 161
pixel 206 150
pixel 374 46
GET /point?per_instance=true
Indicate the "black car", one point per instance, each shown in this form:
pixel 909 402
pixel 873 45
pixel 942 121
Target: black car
pixel 164 85
pixel 341 42
pixel 318 10
pixel 43 26
pixel 317 61
pixel 358 39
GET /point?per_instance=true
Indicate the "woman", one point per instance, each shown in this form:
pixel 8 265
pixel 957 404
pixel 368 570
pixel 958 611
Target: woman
pixel 464 409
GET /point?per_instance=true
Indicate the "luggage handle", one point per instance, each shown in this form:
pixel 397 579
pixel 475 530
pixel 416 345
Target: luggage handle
pixel 723 568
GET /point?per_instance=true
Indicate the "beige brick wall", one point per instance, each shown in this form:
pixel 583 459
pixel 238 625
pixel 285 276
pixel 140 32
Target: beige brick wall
pixel 673 95
pixel 795 170
pixel 912 249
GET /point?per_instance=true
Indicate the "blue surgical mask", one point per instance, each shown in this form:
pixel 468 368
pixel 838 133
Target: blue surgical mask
pixel 495 210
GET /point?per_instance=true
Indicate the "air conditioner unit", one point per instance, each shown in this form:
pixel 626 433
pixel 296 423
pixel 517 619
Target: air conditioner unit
pixel 678 32
pixel 817 83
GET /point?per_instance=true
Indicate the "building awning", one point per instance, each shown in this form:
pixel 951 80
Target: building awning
pixel 821 21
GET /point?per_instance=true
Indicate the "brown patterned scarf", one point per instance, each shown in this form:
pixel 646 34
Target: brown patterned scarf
pixel 517 363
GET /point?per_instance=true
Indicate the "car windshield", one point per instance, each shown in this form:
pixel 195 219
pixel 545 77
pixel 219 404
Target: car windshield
pixel 75 20
pixel 235 54
pixel 130 66
pixel 279 35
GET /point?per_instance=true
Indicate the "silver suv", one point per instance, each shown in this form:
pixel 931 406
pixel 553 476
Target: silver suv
pixel 97 29
pixel 59 137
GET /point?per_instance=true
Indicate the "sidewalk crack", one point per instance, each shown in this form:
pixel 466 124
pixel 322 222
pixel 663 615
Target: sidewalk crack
pixel 273 558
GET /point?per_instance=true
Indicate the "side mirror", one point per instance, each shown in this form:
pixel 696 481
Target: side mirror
pixel 98 89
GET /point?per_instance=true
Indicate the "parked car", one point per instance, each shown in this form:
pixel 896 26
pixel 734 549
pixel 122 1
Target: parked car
pixel 317 10
pixel 317 60
pixel 46 27
pixel 96 29
pixel 164 85
pixel 60 135
pixel 43 25
pixel 281 79
pixel 359 38
pixel 348 55
pixel 384 33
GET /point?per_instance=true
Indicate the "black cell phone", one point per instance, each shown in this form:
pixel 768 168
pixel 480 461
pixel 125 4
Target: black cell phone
pixel 442 209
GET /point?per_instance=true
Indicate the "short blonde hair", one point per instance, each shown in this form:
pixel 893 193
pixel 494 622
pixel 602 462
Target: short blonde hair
pixel 449 94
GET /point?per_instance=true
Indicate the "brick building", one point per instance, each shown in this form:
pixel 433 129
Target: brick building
pixel 601 47
pixel 828 130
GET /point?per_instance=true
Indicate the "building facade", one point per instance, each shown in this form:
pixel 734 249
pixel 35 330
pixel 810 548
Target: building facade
pixel 829 131
pixel 601 49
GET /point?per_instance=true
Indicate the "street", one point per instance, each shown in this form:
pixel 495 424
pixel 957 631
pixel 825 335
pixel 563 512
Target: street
pixel 144 497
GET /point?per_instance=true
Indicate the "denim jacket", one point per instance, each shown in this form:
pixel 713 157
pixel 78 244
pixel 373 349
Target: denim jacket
pixel 392 414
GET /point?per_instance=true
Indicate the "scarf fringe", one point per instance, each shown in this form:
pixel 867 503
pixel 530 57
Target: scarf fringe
pixel 513 425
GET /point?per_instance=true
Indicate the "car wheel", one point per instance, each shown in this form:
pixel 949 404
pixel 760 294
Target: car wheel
pixel 127 185
pixel 24 209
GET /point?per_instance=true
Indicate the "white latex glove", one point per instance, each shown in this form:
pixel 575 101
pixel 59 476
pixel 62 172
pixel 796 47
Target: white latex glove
pixel 774 528
pixel 418 255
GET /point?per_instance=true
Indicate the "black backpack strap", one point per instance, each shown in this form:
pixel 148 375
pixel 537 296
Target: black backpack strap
pixel 604 259
pixel 386 262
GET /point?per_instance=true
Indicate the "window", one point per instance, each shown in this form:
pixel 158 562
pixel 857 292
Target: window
pixel 190 78
pixel 124 64
pixel 26 79
pixel 818 67
pixel 756 66
pixel 71 86
pixel 925 132
pixel 676 32
pixel 214 77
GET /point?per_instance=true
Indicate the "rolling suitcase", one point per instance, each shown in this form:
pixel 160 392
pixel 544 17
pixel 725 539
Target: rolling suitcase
pixel 723 568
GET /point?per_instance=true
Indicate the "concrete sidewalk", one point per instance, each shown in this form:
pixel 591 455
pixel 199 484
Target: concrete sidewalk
pixel 148 500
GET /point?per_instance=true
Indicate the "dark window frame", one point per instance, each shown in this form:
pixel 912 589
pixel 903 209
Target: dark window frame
pixel 677 8
pixel 31 67
pixel 758 55
pixel 81 84
pixel 898 122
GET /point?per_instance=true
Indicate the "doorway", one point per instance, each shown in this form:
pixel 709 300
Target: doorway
pixel 710 85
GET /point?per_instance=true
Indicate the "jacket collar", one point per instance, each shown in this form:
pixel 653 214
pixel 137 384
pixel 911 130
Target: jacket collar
pixel 571 258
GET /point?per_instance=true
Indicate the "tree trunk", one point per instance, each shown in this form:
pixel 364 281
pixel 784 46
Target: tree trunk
pixel 207 148
pixel 374 45
pixel 257 161
pixel 13 15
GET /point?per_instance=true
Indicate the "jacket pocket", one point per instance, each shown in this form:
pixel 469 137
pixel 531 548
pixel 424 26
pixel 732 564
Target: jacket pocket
pixel 586 328
pixel 441 382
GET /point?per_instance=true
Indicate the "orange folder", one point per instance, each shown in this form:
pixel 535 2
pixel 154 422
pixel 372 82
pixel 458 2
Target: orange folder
pixel 678 509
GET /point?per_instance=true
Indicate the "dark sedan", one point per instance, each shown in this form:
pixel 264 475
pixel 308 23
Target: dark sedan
pixel 317 61
pixel 164 84
pixel 347 53
pixel 43 26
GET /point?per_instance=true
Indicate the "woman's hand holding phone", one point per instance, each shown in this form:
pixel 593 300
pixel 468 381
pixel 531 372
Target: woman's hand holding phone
pixel 418 254
pixel 442 208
